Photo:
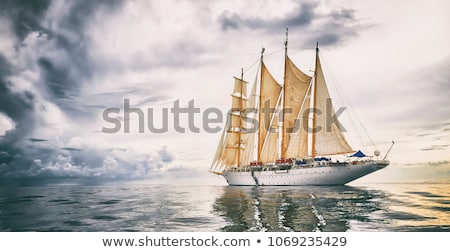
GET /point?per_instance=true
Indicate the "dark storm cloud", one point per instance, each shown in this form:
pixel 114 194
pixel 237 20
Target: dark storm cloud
pixel 329 29
pixel 63 59
pixel 58 79
pixel 26 15
pixel 50 162
pixel 64 74
pixel 32 139
pixel 333 32
pixel 18 106
pixel 61 75
pixel 71 149
pixel 303 15
pixel 64 65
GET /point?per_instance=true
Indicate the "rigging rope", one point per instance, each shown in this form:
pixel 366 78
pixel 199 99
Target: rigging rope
pixel 258 59
pixel 346 100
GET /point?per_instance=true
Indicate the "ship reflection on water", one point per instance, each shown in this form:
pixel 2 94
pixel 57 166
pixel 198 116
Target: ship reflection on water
pixel 334 208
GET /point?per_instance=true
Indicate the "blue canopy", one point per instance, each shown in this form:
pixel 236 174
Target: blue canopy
pixel 359 154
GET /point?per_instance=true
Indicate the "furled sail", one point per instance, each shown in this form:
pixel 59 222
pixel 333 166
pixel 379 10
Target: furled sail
pixel 328 135
pixel 296 85
pixel 269 94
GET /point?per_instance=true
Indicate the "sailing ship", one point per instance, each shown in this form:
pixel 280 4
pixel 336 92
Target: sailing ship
pixel 281 144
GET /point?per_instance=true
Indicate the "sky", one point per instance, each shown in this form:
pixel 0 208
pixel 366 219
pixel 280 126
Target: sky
pixel 63 63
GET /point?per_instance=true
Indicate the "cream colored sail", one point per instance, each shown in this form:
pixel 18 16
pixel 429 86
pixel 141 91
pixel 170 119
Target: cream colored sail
pixel 270 148
pixel 269 93
pixel 231 147
pixel 249 137
pixel 233 138
pixel 295 90
pixel 217 162
pixel 328 135
pixel 298 141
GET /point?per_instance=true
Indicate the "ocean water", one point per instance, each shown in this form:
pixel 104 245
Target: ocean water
pixel 124 207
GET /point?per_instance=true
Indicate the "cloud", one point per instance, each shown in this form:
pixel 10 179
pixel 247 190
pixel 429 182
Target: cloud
pixel 439 163
pixel 32 139
pixel 26 16
pixel 68 162
pixel 43 82
pixel 68 60
pixel 165 156
pixel 310 24
pixel 71 149
pixel 419 112
pixel 18 106
pixel 300 16
pixel 436 147
pixel 423 134
pixel 435 87
pixel 115 98
pixel 427 98
pixel 49 47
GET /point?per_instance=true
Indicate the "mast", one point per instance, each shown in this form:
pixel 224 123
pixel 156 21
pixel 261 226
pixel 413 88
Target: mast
pixel 259 114
pixel 240 120
pixel 283 150
pixel 313 147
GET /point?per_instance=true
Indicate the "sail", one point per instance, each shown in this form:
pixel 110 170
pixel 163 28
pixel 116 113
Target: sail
pixel 249 138
pixel 239 95
pixel 328 135
pixel 217 161
pixel 269 94
pixel 230 152
pixel 269 152
pixel 296 84
pixel 240 87
pixel 298 140
pixel 233 138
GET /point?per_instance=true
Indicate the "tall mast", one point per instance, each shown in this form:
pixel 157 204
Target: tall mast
pixel 283 150
pixel 259 114
pixel 313 147
pixel 240 119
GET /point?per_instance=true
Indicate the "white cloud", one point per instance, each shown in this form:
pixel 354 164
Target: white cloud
pixel 5 124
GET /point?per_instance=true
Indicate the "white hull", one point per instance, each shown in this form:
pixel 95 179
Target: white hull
pixel 323 175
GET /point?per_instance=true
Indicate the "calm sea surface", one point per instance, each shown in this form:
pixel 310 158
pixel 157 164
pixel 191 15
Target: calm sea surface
pixel 374 207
